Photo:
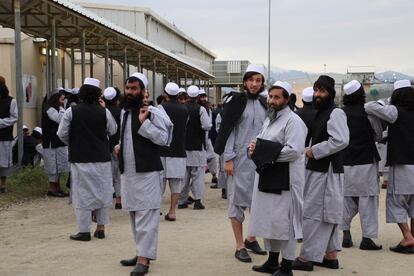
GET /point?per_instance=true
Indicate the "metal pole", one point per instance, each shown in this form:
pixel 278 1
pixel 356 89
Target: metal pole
pixel 139 62
pixel 54 80
pixel 19 86
pixel 91 64
pixel 154 68
pixel 72 66
pixel 83 69
pixel 125 64
pixel 48 90
pixel 112 72
pixel 106 63
pixel 63 67
pixel 185 80
pixel 268 47
pixel 166 75
pixel 178 78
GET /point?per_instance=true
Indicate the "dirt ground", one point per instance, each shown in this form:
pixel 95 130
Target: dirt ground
pixel 34 240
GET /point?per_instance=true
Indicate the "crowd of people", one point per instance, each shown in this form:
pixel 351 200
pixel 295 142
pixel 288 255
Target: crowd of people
pixel 302 173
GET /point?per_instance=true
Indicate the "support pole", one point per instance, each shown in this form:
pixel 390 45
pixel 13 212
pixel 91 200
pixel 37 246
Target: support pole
pixel 72 66
pixel 139 62
pixel 83 68
pixel 185 80
pixel 53 71
pixel 106 63
pixel 112 72
pixel 48 90
pixel 154 69
pixel 63 68
pixel 91 64
pixel 125 64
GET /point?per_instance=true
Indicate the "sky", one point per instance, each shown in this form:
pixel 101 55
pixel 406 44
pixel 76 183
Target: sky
pixel 305 34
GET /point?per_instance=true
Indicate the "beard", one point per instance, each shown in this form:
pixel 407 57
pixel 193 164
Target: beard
pixel 252 95
pixel 134 101
pixel 322 103
pixel 273 110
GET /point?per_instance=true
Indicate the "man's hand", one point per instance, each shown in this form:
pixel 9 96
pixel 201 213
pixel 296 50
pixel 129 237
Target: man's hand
pixel 252 147
pixel 143 114
pixel 101 102
pixel 309 153
pixel 229 167
pixel 116 150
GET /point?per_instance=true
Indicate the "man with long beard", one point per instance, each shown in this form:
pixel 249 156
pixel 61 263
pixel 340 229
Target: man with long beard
pixel 85 128
pixel 400 158
pixel 243 117
pixel 143 130
pixel 323 194
pixel 278 155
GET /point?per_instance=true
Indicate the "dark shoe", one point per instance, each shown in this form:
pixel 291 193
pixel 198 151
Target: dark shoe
pixel 265 268
pixel 93 216
pixel 214 186
pixel 384 185
pixel 243 256
pixel 254 247
pixel 223 194
pixel 64 194
pixel 347 240
pixel 139 270
pixel 198 205
pixel 280 273
pixel 86 236
pixel 332 264
pixel 100 234
pixel 54 194
pixel 167 217
pixel 368 244
pixel 190 200
pixel 402 249
pixel 300 265
pixel 129 262
pixel 118 205
pixel 113 195
pixel 182 206
pixel 3 190
pixel 214 180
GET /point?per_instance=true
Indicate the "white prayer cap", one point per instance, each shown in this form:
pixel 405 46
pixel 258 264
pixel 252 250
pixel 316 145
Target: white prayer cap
pixel 202 92
pixel 401 84
pixel 285 85
pixel 351 87
pixel 92 81
pixel 141 77
pixel 38 129
pixel 193 91
pixel 25 127
pixel 307 94
pixel 182 90
pixel 264 93
pixel 256 68
pixel 109 93
pixel 75 91
pixel 172 89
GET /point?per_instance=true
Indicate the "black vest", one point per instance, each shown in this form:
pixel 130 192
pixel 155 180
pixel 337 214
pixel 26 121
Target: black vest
pixel 361 149
pixel 6 134
pixel 195 135
pixel 49 129
pixel 178 114
pixel 319 133
pixel 114 139
pixel 146 153
pixel 307 114
pixel 29 150
pixel 400 149
pixel 88 139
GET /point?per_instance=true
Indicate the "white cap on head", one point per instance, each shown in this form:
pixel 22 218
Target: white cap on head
pixel 401 84
pixel 193 91
pixel 264 93
pixel 285 85
pixel 182 90
pixel 202 92
pixel 351 87
pixel 109 93
pixel 307 94
pixel 141 77
pixel 92 81
pixel 172 89
pixel 256 68
pixel 25 127
pixel 75 91
pixel 38 129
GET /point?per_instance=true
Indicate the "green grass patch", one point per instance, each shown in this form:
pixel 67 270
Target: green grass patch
pixel 27 183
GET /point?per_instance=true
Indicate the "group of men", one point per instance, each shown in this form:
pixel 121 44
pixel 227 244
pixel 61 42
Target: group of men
pixel 302 174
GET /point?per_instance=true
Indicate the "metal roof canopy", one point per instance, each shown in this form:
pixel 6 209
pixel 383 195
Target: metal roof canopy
pixel 72 21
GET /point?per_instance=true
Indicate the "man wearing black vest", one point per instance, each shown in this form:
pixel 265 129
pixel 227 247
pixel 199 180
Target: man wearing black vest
pixel 400 158
pixel 85 128
pixel 174 157
pixel 243 117
pixel 307 112
pixel 143 130
pixel 111 98
pixel 323 194
pixel 198 123
pixel 8 117
pixel 361 182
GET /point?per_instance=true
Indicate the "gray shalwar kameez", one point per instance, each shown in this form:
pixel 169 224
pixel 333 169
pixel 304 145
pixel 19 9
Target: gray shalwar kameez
pixel 278 218
pixel 6 147
pixel 361 191
pixel 323 195
pixel 400 188
pixel 56 159
pixel 240 185
pixel 91 183
pixel 222 176
pixel 141 192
